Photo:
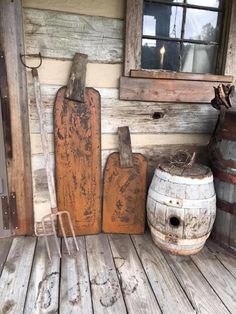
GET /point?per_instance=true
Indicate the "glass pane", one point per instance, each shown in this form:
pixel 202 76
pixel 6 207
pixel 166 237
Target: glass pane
pixel 202 25
pixel 204 3
pixel 159 54
pixel 162 20
pixel 199 58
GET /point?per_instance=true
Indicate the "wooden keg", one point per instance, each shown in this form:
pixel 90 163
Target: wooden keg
pixel 223 155
pixel 181 207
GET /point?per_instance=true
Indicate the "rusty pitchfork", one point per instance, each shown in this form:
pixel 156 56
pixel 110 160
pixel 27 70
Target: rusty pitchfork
pixel 50 176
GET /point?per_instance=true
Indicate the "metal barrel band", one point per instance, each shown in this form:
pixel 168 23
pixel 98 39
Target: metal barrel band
pixel 220 162
pixel 224 176
pixel 226 206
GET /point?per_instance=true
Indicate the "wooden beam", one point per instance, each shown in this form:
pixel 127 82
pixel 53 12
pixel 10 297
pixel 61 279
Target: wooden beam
pixel 143 89
pixel 181 76
pixel 19 168
pixel 133 39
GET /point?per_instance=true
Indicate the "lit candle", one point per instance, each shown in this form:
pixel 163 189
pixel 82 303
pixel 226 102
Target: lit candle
pixel 162 55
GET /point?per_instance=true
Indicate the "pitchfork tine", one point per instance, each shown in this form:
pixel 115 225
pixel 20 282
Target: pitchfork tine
pixel 64 234
pixel 55 236
pixel 72 231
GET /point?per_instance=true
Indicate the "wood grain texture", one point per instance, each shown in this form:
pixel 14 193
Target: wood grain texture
pixel 15 275
pixel 141 117
pixel 56 72
pixel 223 283
pixel 110 141
pixel 19 168
pixel 108 8
pixel 181 76
pixel 105 286
pixel 101 38
pixel 43 289
pixel 225 257
pixel 138 295
pixel 133 35
pixel 199 292
pixel 124 199
pixel 5 245
pixel 76 81
pixel 168 291
pixel 143 89
pixel 75 295
pixel 77 146
pixel 125 149
pixel 230 65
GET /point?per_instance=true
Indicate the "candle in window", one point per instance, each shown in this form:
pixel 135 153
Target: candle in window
pixel 162 55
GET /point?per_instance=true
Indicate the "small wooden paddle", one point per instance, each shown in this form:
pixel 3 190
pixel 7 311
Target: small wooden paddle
pixel 124 200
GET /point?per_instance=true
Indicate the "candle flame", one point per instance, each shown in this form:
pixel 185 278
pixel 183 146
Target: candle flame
pixel 162 50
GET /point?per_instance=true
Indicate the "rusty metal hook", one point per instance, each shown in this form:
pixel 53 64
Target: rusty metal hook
pixel 31 55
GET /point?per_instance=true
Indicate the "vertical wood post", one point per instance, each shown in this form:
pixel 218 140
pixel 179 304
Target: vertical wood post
pixel 19 168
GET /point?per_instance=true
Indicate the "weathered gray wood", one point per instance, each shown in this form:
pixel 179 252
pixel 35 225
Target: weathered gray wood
pixel 138 294
pixel 133 35
pixel 125 149
pixel 139 116
pixel 61 35
pixel 106 291
pixel 76 82
pixel 19 168
pixel 227 258
pixel 43 289
pixel 75 295
pixel 232 235
pixel 223 283
pixel 168 291
pixel 16 274
pixel 177 91
pixel 198 290
pixel 5 245
pixel 230 64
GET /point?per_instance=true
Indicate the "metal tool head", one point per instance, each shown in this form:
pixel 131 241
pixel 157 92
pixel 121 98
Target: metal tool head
pixel 54 216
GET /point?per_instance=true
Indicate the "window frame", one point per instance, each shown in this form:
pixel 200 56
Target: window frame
pixel 133 40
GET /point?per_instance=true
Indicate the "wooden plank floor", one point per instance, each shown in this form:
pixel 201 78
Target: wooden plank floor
pixel 114 274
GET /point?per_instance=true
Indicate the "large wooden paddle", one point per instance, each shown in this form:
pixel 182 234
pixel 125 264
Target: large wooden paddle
pixel 78 151
pixel 124 199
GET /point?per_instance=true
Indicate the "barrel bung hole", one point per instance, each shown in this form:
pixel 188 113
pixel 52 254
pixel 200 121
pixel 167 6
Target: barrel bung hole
pixel 174 221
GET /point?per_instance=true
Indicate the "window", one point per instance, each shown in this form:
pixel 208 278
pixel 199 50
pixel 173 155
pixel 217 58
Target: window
pixel 181 35
pixel 176 50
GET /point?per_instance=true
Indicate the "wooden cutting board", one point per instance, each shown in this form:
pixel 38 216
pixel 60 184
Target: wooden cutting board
pixel 124 198
pixel 78 159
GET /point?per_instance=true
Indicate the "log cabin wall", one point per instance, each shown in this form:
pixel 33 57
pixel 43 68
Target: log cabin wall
pixel 60 28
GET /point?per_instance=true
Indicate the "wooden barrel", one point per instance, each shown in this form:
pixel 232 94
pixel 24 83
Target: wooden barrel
pixel 223 153
pixel 181 207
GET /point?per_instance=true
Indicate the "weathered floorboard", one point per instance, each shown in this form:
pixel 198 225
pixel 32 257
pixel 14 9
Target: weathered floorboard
pixel 106 291
pixel 138 294
pixel 5 245
pixel 75 295
pixel 43 289
pixel 168 291
pixel 218 277
pixel 15 275
pixel 198 290
pixel 61 35
pixel 227 258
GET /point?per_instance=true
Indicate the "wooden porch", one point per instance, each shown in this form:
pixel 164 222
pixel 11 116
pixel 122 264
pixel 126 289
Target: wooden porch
pixel 114 274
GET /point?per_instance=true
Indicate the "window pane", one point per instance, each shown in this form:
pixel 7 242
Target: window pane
pixel 202 25
pixel 162 20
pixel 199 58
pixel 159 54
pixel 204 3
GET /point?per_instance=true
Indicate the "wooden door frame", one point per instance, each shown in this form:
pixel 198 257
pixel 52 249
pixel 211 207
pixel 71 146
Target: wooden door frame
pixel 19 166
